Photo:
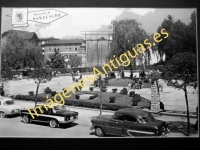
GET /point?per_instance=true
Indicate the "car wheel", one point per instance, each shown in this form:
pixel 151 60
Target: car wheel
pixel 99 132
pixel 2 115
pixel 26 119
pixel 53 123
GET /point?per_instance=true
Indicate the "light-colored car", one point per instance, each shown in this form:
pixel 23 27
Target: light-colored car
pixel 8 107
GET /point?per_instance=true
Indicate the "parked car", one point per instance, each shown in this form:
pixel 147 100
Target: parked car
pixel 129 122
pixel 8 107
pixel 54 116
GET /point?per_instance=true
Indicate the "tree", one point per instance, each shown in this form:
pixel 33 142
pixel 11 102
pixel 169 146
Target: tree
pixel 75 61
pixel 6 72
pixel 182 37
pixel 56 59
pixel 180 71
pixel 126 34
pixel 40 76
pixel 12 50
pixel 20 53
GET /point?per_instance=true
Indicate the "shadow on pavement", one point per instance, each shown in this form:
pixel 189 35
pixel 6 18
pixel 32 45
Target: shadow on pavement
pixel 13 116
pixel 61 126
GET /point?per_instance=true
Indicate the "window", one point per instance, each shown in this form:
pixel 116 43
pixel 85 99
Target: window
pixel 131 118
pixel 0 102
pixel 70 49
pixel 49 49
pixel 75 49
pixel 118 117
pixel 9 102
pixel 58 49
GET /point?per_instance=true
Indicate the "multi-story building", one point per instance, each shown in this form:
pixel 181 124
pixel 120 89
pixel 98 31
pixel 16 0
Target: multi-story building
pixel 67 48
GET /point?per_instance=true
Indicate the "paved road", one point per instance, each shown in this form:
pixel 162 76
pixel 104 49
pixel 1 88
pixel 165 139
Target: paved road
pixel 14 127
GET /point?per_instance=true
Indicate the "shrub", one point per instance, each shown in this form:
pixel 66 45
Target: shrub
pixel 112 99
pixel 77 96
pixel 31 93
pixel 114 90
pixel 103 90
pixel 92 97
pixel 136 97
pixel 112 75
pixel 146 80
pixel 80 103
pixel 47 90
pixel 124 91
pixel 53 93
pixel 132 93
pixel 91 88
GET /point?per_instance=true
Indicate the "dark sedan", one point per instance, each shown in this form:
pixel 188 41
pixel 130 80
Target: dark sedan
pixel 54 116
pixel 129 122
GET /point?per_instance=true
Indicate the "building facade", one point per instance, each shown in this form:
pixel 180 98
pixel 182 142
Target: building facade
pixel 67 48
pixel 97 52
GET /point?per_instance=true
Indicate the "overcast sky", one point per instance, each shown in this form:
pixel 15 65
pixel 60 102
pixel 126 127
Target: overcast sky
pixel 88 19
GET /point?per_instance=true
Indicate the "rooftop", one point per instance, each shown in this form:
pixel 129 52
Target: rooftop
pixel 68 41
pixel 23 34
pixel 48 39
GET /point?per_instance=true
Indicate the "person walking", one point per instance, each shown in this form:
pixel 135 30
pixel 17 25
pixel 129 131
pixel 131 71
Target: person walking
pixel 2 93
pixel 140 83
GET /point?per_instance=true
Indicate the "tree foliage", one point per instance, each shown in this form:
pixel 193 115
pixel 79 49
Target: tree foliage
pixel 182 37
pixel 181 69
pixel 40 76
pixel 56 60
pixel 20 53
pixel 126 34
pixel 75 61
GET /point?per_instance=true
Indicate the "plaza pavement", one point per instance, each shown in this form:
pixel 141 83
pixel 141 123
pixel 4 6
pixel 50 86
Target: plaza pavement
pixel 172 98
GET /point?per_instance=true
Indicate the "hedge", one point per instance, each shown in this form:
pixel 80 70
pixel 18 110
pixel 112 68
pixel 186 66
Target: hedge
pixel 79 103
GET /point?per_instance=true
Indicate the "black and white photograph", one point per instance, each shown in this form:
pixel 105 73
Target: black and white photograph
pixel 98 72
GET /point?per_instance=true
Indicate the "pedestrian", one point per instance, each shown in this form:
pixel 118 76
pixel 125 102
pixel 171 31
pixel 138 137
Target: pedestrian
pixel 140 83
pixel 20 76
pixel 2 93
pixel 162 106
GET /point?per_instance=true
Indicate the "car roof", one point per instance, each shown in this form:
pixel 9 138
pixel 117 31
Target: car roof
pixel 131 111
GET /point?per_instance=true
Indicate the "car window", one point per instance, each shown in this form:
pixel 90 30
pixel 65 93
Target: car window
pixel 131 118
pixel 118 117
pixel 9 102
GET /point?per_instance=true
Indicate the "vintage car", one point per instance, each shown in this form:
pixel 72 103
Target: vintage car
pixel 129 122
pixel 54 116
pixel 8 107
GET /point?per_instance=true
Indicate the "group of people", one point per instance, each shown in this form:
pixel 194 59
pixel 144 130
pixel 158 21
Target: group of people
pixel 74 75
pixel 132 85
pixel 18 77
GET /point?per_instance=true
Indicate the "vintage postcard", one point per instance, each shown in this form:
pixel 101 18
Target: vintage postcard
pixel 86 72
